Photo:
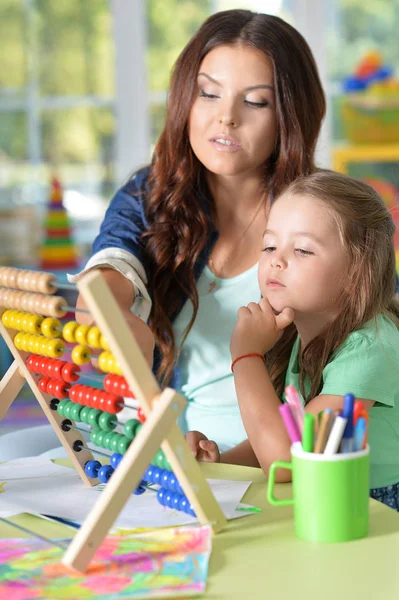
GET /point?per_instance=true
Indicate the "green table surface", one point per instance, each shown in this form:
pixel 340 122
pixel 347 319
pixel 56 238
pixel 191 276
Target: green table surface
pixel 258 557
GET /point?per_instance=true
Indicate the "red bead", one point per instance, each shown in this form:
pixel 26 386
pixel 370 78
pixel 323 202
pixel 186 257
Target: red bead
pixel 140 415
pixel 42 365
pixel 109 382
pixel 81 395
pixel 50 387
pixel 43 381
pixel 61 389
pixel 30 363
pixel 113 403
pixel 90 398
pixel 73 392
pixel 53 368
pixel 70 372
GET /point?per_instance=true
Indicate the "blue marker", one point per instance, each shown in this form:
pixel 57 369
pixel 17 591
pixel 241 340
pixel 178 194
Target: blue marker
pixel 347 413
pixel 359 434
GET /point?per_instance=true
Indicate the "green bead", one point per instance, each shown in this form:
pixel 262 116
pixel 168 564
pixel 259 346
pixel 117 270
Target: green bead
pixel 93 417
pixel 166 464
pixel 107 421
pixel 107 439
pixel 75 412
pixel 100 438
pixel 159 459
pixel 131 428
pixel 85 413
pixel 67 410
pixel 93 436
pixel 61 406
pixel 124 444
pixel 113 445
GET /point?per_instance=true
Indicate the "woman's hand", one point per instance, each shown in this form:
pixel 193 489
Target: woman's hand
pixel 202 449
pixel 258 328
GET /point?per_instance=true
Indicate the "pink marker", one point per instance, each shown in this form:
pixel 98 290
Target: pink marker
pixel 290 423
pixel 294 401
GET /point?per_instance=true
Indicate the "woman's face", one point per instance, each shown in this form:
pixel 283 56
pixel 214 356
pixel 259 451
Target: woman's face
pixel 232 123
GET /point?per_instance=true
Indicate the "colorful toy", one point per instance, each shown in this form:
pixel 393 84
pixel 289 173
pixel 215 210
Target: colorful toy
pixel 370 110
pixel 58 250
pixel 32 328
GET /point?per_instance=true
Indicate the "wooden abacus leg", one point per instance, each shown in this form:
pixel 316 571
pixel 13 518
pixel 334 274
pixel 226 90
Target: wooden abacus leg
pixel 67 438
pixel 124 480
pixel 10 386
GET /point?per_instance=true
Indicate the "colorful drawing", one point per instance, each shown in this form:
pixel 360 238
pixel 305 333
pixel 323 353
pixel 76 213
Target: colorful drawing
pixel 162 563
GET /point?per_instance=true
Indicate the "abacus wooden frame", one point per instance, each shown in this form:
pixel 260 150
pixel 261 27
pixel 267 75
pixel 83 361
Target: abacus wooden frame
pixel 161 409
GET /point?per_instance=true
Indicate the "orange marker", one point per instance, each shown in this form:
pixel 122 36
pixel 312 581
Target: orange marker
pixel 365 415
pixel 358 407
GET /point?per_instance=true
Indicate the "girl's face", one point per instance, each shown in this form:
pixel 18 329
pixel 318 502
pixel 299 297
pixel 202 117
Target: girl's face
pixel 303 263
pixel 232 123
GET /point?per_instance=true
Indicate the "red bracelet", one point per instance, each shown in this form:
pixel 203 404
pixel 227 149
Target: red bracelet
pixel 246 356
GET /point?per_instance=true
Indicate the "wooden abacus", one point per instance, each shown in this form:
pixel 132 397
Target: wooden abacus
pixel 28 291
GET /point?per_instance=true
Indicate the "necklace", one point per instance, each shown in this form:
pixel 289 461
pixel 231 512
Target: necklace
pixel 213 283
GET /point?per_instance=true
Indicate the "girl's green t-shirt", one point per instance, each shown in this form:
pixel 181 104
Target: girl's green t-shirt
pixel 367 365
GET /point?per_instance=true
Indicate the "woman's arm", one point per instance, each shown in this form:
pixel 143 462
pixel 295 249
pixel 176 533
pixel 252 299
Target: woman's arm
pixel 123 292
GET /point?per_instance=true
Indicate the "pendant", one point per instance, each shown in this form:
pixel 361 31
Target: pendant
pixel 212 286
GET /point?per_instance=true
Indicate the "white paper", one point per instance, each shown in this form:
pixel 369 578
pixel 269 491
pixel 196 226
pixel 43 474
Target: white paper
pixel 67 497
pixel 30 467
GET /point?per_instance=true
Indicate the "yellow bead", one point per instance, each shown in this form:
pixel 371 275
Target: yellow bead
pixel 18 339
pixel 68 332
pixel 51 328
pixel 12 318
pixel 81 334
pixel 33 343
pixel 36 345
pixel 31 323
pixel 94 337
pixel 104 343
pixel 103 361
pixel 55 348
pixel 80 355
pixel 18 320
pixel 26 342
pixel 6 318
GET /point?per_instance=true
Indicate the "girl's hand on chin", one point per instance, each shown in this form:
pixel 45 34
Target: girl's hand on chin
pixel 258 328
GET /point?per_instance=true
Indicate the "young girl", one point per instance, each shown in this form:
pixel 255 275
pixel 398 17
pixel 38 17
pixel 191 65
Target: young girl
pixel 244 112
pixel 327 323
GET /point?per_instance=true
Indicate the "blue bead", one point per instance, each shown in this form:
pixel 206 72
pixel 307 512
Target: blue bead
pixel 168 498
pixel 184 503
pixel 173 483
pixel 140 489
pixel 156 478
pixel 149 474
pixel 105 473
pixel 116 459
pixel 175 501
pixel 165 479
pixel 161 496
pixel 190 511
pixel 92 468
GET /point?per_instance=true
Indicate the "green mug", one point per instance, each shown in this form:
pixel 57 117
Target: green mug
pixel 330 494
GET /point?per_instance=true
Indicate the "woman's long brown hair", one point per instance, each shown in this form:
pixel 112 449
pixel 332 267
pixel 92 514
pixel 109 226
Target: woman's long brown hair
pixel 178 204
pixel 366 230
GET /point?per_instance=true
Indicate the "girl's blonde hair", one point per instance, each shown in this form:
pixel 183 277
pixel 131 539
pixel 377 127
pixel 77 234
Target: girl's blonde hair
pixel 366 230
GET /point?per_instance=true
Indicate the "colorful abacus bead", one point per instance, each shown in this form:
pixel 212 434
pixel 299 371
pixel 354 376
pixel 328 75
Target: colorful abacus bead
pixel 81 332
pixel 105 473
pixel 92 467
pixel 140 415
pixel 51 327
pixel 94 337
pixel 81 355
pixel 68 331
pixel 118 385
